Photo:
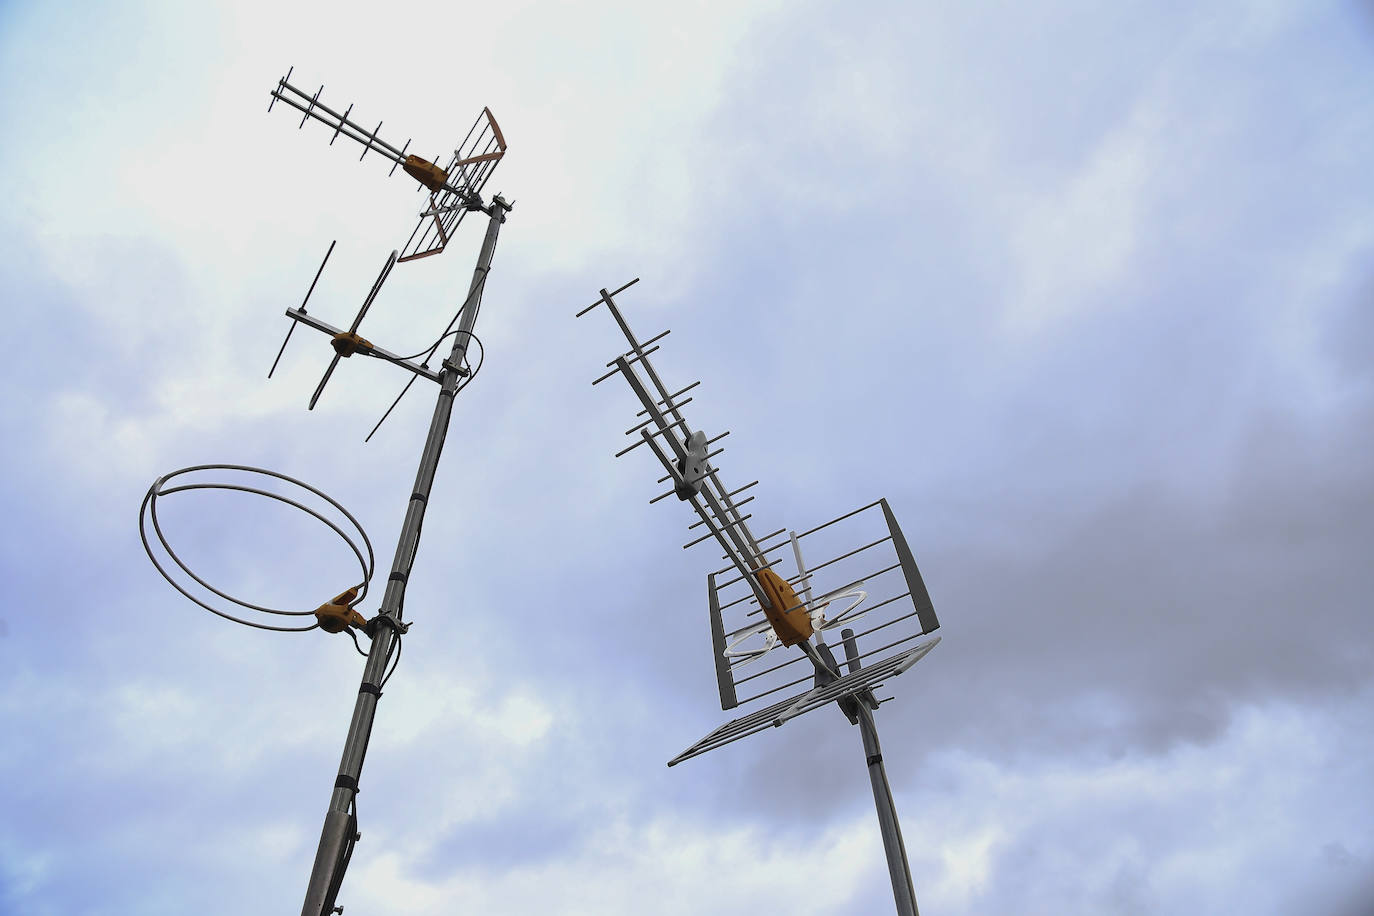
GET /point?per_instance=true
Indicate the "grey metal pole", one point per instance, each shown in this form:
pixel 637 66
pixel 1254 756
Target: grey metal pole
pixel 339 832
pixel 902 889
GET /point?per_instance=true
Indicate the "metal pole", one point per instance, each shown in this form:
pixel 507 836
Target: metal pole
pixel 339 833
pixel 902 889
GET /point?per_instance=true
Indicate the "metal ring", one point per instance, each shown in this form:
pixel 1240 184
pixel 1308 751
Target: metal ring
pixel 148 510
pixel 847 615
pixel 740 657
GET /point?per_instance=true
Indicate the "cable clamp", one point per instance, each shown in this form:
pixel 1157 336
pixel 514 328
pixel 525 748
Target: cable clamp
pixel 400 627
pixel 462 371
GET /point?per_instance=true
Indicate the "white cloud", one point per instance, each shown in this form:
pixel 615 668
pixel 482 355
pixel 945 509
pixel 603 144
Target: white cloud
pixel 694 146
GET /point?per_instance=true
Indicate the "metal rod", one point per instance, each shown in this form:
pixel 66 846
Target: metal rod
pixel 761 553
pixel 353 130
pixel 670 397
pixel 640 441
pixel 903 892
pixel 376 288
pixel 648 366
pixel 667 477
pixel 292 329
pixel 710 534
pixel 378 352
pixel 324 380
pixel 791 661
pixel 281 82
pixel 800 680
pixel 845 556
pixel 742 563
pixel 840 519
pixel 636 358
pixel 655 339
pixel 895 642
pixel 753 483
pixel 326 875
pixel 747 499
pixel 605 296
pixel 399 160
pixel 637 427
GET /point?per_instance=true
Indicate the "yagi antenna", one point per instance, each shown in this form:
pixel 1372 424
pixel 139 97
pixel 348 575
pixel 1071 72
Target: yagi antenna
pixel 768 598
pixel 455 190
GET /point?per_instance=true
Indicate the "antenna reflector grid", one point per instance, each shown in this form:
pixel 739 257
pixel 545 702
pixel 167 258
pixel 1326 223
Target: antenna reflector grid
pixel 854 570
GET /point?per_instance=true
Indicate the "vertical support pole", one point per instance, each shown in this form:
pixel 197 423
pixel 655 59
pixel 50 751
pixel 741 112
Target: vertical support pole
pixel 903 891
pixel 339 833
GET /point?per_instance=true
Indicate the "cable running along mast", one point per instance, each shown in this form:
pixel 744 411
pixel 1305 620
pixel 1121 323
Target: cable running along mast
pixel 454 191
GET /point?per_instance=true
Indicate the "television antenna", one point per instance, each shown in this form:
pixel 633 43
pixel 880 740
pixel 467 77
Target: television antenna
pixel 860 576
pixel 454 191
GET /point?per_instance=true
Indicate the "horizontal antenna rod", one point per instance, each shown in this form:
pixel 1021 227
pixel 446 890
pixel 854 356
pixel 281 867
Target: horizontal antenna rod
pixel 332 118
pixel 632 353
pixel 605 297
pixel 636 358
pixel 378 352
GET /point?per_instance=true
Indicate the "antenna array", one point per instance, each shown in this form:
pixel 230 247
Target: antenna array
pixel 454 191
pixel 867 571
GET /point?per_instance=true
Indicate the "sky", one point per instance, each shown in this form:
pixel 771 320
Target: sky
pixel 1084 290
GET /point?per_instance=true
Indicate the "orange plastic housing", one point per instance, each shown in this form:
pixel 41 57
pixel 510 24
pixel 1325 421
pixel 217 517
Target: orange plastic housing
pixel 789 617
pixel 425 172
pixel 347 344
pixel 337 616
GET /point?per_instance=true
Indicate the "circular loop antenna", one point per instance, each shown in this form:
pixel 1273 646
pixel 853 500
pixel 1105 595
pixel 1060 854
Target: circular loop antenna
pixel 847 615
pixel 148 511
pixel 740 657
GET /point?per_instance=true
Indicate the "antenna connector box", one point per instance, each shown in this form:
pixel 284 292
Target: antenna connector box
pixel 788 615
pixel 425 172
pixel 347 344
pixel 337 616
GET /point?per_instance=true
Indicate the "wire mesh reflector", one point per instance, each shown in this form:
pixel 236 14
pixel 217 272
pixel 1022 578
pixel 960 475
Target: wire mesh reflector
pixel 469 171
pixel 792 707
pixel 858 570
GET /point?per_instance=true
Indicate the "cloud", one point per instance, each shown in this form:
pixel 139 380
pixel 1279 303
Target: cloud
pixel 1080 291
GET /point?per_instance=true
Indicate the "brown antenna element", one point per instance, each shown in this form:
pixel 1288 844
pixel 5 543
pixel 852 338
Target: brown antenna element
pixel 454 190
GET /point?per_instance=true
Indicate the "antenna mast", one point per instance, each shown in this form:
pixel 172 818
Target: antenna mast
pixel 340 825
pixel 454 191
